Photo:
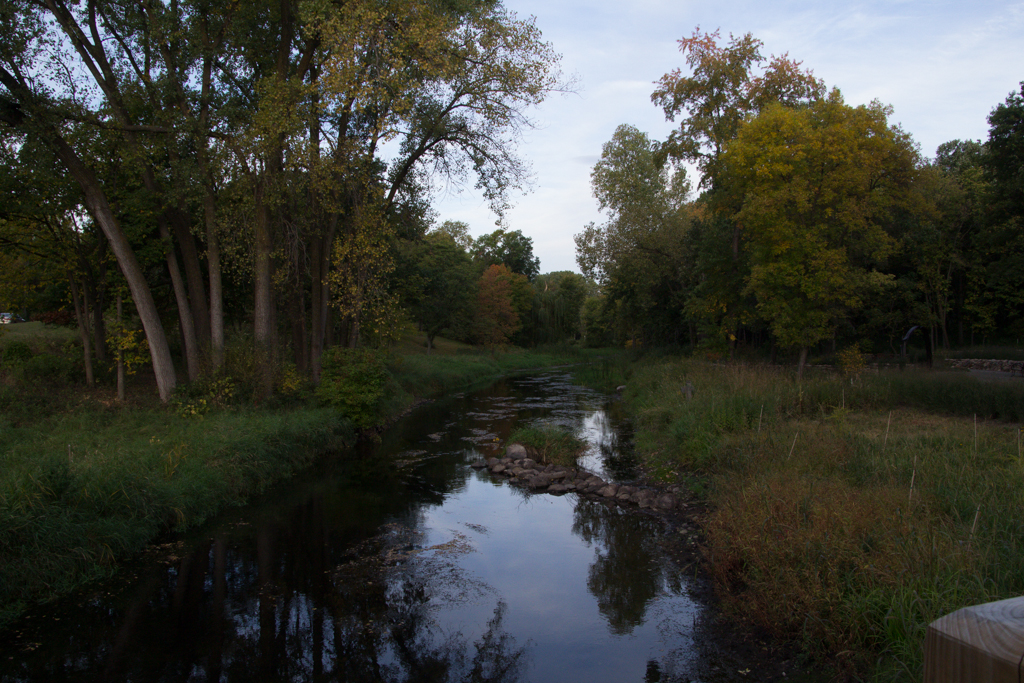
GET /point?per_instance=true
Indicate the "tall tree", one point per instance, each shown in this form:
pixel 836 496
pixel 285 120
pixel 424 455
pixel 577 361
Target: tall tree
pixel 640 256
pixel 726 84
pixel 512 249
pixel 814 190
pixel 441 283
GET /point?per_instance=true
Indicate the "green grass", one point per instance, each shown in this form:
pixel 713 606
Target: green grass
pixel 436 374
pixel 44 337
pixel 81 490
pixel 551 444
pixel 846 513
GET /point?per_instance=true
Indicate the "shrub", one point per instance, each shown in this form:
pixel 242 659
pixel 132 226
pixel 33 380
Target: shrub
pixel 353 382
pixel 59 318
pixel 47 367
pixel 15 353
pixel 197 398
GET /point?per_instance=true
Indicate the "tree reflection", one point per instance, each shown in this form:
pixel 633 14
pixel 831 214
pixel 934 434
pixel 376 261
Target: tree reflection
pixel 626 574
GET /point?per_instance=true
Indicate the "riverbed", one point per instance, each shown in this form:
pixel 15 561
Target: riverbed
pixel 397 561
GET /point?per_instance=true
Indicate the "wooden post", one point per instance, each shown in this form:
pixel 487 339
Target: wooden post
pixel 980 644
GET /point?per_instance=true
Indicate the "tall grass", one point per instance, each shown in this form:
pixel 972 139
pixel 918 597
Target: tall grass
pixel 81 490
pixel 550 444
pixel 848 514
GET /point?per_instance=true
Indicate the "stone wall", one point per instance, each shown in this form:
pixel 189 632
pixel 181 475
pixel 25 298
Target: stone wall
pixel 1013 366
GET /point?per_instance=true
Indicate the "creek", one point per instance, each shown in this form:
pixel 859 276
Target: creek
pixel 398 562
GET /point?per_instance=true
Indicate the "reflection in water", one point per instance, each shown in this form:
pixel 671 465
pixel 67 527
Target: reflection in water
pixel 395 563
pixel 626 573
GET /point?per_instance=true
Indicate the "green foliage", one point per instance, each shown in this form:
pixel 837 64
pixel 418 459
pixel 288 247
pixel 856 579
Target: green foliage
pixel 816 236
pixel 557 305
pixel 440 282
pixel 514 250
pixel 641 257
pixel 196 399
pixel 50 368
pixel 353 381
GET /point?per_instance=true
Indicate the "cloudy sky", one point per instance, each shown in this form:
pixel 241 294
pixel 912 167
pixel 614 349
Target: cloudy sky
pixel 942 65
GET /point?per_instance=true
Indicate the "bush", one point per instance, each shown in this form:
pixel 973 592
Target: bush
pixel 197 398
pixel 15 353
pixel 353 382
pixel 59 318
pixel 47 367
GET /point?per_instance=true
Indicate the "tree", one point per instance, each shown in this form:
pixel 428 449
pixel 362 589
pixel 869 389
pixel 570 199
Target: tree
pixel 722 90
pixel 639 257
pixel 998 278
pixel 442 286
pixel 1004 154
pixel 557 303
pixel 496 316
pixel 815 189
pixel 512 249
pixel 457 232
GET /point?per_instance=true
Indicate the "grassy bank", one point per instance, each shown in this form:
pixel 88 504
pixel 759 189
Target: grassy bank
pixel 86 481
pixel 847 512
pixel 81 490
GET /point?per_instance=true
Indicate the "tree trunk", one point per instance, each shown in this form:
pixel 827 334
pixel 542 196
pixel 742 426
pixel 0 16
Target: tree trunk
pixel 82 313
pixel 264 327
pixel 321 295
pixel 193 278
pixel 188 330
pixel 299 342
pixel 93 300
pixel 121 356
pixel 96 202
pixel 216 288
pixel 802 362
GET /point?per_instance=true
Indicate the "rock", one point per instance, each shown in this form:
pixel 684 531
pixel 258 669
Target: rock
pixel 491 462
pixel 557 488
pixel 498 469
pixel 608 491
pixel 538 482
pixel 516 450
pixel 557 475
pixel 516 471
pixel 529 464
pixel 478 465
pixel 665 502
pixel 646 498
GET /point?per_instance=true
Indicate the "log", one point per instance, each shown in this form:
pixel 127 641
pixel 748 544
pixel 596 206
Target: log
pixel 979 644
